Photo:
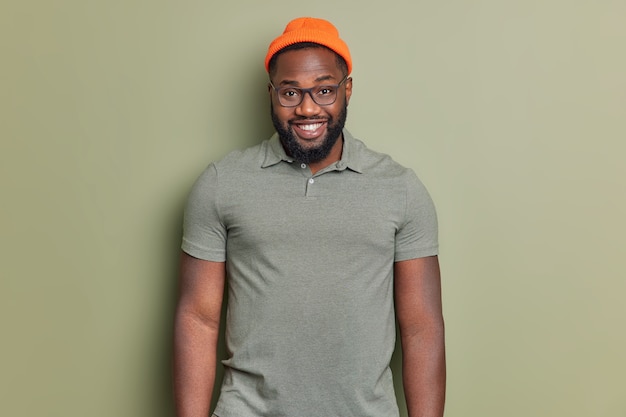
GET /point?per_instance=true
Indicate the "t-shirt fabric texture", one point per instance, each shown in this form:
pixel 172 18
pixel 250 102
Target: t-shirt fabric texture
pixel 310 324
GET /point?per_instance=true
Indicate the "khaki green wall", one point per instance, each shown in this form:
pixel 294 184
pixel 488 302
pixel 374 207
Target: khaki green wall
pixel 512 112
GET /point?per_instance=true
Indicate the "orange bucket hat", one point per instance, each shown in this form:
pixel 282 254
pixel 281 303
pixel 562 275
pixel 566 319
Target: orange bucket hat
pixel 310 29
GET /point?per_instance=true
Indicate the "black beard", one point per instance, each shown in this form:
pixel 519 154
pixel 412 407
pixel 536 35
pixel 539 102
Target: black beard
pixel 310 155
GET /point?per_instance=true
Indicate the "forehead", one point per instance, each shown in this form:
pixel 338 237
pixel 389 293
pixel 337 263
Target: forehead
pixel 306 66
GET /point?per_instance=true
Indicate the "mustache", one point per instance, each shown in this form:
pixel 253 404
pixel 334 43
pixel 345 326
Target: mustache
pixel 301 119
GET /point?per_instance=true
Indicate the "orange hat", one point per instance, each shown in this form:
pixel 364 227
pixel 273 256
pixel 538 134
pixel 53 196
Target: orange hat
pixel 310 29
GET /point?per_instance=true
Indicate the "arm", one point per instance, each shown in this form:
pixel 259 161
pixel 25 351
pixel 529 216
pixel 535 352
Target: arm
pixel 196 329
pixel 417 289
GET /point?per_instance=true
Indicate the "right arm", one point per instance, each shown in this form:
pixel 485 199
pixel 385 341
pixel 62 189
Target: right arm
pixel 196 330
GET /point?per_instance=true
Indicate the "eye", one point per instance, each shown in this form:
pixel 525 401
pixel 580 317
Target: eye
pixel 290 92
pixel 325 90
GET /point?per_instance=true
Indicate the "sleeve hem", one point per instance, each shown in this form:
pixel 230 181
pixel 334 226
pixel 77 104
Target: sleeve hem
pixel 203 253
pixel 416 253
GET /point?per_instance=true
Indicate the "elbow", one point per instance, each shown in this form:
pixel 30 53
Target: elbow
pixel 430 329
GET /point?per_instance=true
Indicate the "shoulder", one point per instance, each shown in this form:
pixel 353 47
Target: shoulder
pixel 387 175
pixel 231 167
pixel 237 160
pixel 380 164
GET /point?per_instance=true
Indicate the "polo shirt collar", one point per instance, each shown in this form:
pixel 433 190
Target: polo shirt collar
pixel 350 157
pixel 274 152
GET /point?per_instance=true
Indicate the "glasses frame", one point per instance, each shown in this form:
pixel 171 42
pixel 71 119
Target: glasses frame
pixel 309 91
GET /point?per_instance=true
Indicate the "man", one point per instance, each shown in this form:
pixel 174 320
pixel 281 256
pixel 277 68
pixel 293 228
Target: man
pixel 324 243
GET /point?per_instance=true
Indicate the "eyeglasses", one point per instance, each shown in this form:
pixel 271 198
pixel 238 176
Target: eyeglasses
pixel 322 95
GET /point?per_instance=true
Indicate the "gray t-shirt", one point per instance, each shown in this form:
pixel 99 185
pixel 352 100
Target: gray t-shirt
pixel 310 317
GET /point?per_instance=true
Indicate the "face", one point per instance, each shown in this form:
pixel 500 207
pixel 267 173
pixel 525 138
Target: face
pixel 309 132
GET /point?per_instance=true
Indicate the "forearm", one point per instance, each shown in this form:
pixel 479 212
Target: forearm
pixel 195 346
pixel 424 371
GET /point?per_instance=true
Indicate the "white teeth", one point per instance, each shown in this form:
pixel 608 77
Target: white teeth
pixel 311 127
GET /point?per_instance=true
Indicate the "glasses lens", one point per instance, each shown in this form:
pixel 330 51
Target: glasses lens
pixel 289 96
pixel 325 95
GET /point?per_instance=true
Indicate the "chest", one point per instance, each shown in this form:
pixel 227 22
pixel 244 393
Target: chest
pixel 334 210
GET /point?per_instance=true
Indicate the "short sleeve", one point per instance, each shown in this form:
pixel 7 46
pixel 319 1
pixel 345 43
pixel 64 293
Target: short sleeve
pixel 204 234
pixel 418 235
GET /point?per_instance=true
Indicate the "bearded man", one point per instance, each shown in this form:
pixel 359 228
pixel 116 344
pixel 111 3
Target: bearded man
pixel 322 244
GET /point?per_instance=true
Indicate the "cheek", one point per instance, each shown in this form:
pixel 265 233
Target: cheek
pixel 283 114
pixel 335 112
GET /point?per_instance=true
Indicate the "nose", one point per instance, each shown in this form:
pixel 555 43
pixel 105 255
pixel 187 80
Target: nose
pixel 308 107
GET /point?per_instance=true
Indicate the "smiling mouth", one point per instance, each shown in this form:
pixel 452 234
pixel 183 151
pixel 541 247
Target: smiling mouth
pixel 309 130
pixel 310 127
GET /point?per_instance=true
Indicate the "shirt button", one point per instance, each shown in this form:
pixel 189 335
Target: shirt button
pixel 303 166
pixel 311 180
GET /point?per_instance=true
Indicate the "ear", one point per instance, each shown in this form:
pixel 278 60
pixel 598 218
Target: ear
pixel 348 89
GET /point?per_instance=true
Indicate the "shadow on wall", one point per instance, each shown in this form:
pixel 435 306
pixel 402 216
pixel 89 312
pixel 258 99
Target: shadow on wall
pixel 257 110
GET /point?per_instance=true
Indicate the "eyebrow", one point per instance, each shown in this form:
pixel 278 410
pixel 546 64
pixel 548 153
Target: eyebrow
pixel 318 79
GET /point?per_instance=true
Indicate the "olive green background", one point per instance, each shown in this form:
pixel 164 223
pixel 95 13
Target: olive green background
pixel 512 113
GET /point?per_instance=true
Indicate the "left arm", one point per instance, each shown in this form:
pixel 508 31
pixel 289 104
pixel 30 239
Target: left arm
pixel 417 287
